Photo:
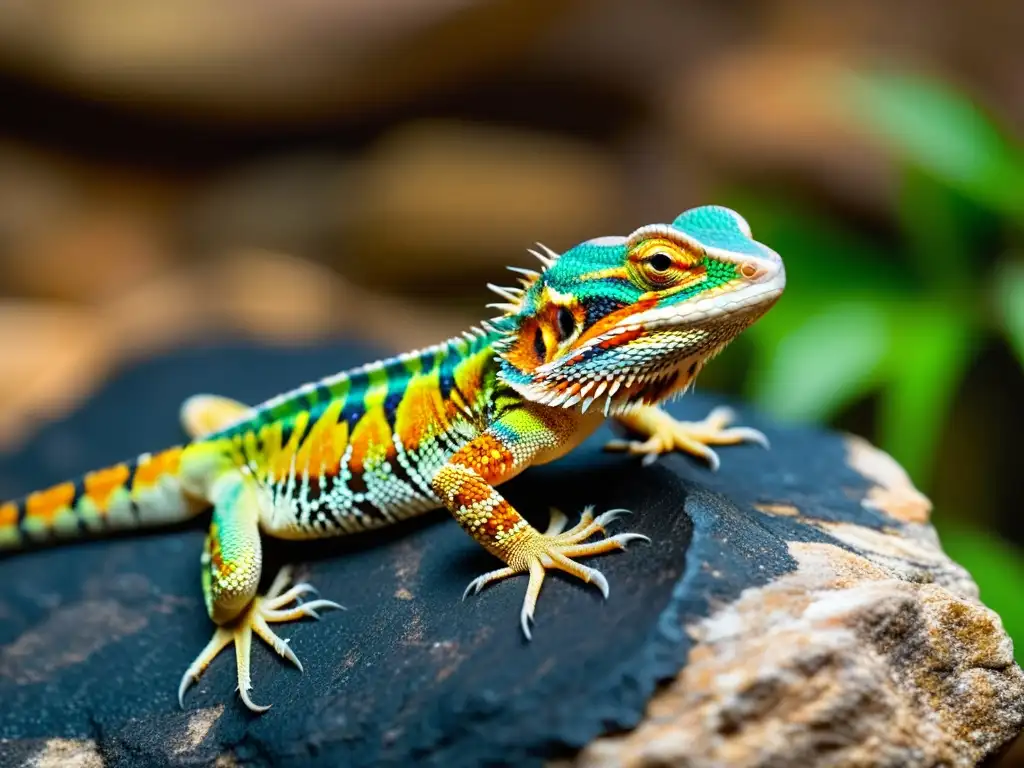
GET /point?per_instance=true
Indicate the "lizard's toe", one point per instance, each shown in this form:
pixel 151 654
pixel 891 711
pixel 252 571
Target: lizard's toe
pixel 544 552
pixel 276 607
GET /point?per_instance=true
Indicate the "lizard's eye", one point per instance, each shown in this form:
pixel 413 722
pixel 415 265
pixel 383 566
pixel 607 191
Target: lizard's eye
pixel 660 270
pixel 660 262
pixel 566 323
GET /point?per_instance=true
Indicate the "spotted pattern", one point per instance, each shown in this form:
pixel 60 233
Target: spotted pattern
pixel 359 450
pixel 480 509
pixel 466 484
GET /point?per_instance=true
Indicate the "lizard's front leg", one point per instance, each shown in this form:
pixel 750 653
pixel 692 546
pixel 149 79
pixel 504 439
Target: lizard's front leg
pixel 663 434
pixel 231 566
pixel 465 484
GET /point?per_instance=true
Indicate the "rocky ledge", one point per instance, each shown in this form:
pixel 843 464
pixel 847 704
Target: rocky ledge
pixel 794 608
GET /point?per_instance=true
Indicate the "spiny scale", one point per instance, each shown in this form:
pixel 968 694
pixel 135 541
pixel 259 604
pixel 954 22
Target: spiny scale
pixel 548 258
pixel 511 294
pixel 529 274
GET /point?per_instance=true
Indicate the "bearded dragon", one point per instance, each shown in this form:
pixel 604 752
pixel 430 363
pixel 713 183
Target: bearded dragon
pixel 608 329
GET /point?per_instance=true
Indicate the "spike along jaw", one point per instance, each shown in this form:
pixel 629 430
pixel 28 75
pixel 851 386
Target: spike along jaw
pixel 623 321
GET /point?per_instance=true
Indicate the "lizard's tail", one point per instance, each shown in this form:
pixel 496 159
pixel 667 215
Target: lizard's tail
pixel 142 493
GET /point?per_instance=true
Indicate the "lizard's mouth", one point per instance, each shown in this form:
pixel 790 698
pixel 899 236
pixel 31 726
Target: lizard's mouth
pixel 652 356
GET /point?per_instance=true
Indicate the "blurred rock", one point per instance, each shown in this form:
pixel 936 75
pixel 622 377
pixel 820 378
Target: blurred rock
pixel 34 192
pixel 431 205
pixel 88 257
pixel 286 203
pixel 79 231
pixel 279 298
pixel 776 112
pixel 445 202
pixel 263 61
pixel 974 46
pixel 269 296
pixel 635 64
pixel 174 308
pixel 53 356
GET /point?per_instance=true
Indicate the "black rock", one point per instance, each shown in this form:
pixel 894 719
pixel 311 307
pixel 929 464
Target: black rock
pixel 94 636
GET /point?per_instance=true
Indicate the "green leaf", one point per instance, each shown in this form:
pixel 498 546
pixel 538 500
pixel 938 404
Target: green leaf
pixel 931 348
pixel 942 132
pixel 998 568
pixel 821 257
pixel 811 363
pixel 1010 303
pixel 943 230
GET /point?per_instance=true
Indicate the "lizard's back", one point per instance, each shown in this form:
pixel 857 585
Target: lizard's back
pixel 350 452
pixel 357 450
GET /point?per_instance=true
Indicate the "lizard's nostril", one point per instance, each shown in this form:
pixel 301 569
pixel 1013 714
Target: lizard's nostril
pixel 750 270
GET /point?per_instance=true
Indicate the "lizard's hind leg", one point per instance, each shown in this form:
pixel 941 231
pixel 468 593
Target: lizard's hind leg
pixel 232 560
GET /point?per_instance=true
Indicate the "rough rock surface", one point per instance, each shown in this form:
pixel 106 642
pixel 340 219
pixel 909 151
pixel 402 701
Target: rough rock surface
pixel 794 609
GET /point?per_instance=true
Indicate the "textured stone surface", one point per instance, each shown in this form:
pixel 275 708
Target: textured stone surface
pixel 877 656
pixel 793 609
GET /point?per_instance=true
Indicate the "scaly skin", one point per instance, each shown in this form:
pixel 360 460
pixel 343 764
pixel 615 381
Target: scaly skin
pixel 609 328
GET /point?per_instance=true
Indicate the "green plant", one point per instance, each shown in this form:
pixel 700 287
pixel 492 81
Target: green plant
pixel 904 322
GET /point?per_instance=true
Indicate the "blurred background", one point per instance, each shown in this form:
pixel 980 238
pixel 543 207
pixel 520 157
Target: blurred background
pixel 175 173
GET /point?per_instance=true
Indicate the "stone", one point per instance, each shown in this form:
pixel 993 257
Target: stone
pixel 283 203
pixel 75 231
pixel 89 258
pixel 54 355
pixel 267 63
pixel 794 608
pixel 430 207
pixel 448 204
pixel 796 121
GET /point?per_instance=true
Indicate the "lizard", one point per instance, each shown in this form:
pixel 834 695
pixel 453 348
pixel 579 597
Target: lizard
pixel 610 328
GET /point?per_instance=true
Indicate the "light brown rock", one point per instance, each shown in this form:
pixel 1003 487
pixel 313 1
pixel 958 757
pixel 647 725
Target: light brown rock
pixel 893 493
pixel 239 60
pixel 445 201
pixel 876 655
pixel 65 753
pixel 53 355
pixel 89 258
pixel 773 109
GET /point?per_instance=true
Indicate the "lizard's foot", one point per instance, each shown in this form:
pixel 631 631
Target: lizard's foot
pixel 665 434
pixel 555 548
pixel 275 607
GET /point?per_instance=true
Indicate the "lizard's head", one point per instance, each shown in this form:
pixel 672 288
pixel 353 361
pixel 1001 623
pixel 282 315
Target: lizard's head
pixel 627 320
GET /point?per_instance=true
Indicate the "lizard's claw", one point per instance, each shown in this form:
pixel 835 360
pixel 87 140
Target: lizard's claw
pixel 555 549
pixel 275 607
pixel 694 437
